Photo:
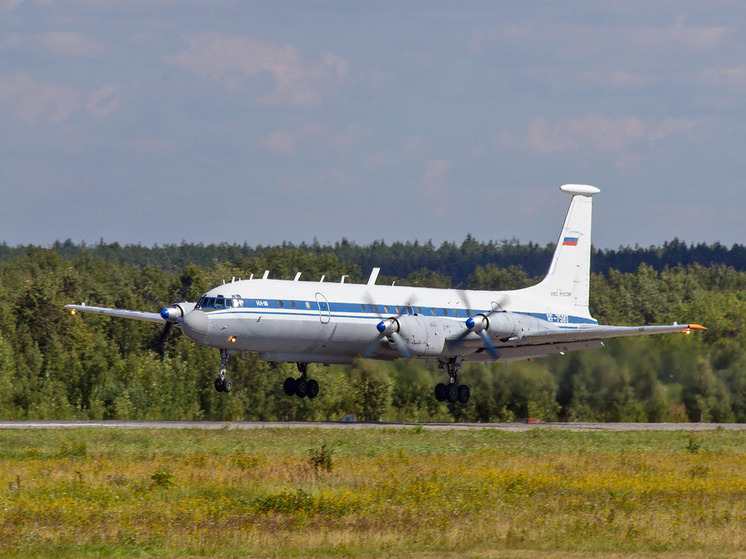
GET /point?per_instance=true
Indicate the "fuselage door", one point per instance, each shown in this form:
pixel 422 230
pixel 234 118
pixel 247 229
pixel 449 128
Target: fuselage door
pixel 324 312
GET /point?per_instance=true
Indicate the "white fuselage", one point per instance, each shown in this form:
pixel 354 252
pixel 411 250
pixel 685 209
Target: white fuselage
pixel 322 322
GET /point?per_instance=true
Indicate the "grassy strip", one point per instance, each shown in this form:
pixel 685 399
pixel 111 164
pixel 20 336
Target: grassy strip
pixel 307 492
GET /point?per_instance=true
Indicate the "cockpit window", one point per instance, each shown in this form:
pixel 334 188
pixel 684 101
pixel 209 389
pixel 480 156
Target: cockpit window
pixel 219 302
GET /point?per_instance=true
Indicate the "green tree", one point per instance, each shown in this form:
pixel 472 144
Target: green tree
pixel 705 396
pixel 492 278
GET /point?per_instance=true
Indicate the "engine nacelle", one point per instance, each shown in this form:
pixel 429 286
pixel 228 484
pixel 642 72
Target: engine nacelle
pixel 177 311
pixel 425 336
pixel 498 325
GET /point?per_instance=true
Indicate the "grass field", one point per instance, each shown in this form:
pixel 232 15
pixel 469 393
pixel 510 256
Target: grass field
pixel 371 493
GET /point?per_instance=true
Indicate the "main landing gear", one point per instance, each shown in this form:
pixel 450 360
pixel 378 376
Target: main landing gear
pixel 301 386
pixel 452 392
pixel 223 384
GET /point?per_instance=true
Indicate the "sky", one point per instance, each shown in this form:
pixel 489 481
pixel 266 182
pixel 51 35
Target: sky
pixel 156 122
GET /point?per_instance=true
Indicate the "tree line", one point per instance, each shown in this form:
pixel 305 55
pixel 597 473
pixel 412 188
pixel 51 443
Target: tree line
pixel 57 366
pixel 399 260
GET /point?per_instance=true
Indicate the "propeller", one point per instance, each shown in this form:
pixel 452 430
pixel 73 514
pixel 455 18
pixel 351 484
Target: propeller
pixel 388 328
pixel 479 324
pixel 169 315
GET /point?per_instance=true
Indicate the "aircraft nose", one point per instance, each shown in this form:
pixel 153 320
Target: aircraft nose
pixel 195 325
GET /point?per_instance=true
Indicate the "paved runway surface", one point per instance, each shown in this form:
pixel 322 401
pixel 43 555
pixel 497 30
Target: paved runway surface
pixel 5 424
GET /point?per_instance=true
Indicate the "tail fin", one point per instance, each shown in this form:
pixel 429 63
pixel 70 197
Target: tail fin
pixel 566 285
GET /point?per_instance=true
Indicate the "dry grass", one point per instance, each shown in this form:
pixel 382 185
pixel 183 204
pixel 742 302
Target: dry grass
pixel 309 493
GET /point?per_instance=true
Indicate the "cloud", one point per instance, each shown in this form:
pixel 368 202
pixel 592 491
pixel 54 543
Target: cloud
pixel 320 138
pixel 545 138
pixel 297 82
pixel 57 44
pixel 571 56
pixel 571 40
pixel 33 101
pixel 670 127
pixel 9 5
pixel 436 169
pixel 281 142
pixel 104 101
pixel 599 133
pixel 694 38
pixel 725 76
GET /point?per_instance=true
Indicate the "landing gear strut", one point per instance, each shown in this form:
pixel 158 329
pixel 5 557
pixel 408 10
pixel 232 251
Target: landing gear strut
pixel 223 384
pixel 452 392
pixel 302 386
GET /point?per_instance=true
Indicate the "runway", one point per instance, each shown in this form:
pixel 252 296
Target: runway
pixel 244 425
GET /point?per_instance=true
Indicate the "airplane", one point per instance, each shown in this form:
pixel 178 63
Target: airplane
pixel 306 322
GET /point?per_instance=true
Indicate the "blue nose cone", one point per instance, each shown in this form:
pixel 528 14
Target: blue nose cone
pixel 381 327
pixel 165 315
pixel 469 322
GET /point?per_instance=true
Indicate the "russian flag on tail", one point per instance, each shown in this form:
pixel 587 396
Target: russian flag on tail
pixel 570 241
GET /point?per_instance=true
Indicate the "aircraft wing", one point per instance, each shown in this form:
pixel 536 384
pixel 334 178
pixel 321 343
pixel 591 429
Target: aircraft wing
pixel 549 342
pixel 121 313
pixel 601 333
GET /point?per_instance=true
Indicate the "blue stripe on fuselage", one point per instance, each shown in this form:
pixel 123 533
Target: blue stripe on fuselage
pixel 365 311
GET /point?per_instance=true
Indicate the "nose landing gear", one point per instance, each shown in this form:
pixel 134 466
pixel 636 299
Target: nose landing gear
pixel 223 384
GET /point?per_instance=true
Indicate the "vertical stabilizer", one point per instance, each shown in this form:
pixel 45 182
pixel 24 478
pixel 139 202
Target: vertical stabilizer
pixel 567 284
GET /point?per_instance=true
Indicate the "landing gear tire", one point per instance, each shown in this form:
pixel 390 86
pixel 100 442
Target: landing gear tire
pixel 301 387
pixel 223 385
pixel 452 393
pixel 312 389
pixel 463 393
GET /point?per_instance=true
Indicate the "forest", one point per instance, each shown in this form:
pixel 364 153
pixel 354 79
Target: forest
pixel 57 366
